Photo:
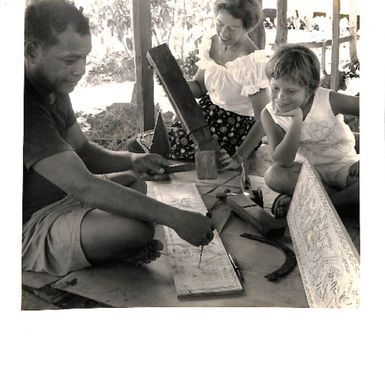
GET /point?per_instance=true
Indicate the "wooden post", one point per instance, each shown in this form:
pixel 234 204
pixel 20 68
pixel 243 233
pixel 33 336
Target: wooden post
pixel 258 34
pixel 323 58
pixel 334 76
pixel 141 20
pixel 281 36
pixel 353 31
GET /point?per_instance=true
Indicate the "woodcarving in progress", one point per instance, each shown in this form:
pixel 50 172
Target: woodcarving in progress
pixel 208 206
pixel 194 274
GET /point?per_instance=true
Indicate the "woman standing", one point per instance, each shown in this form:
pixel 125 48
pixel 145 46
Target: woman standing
pixel 230 83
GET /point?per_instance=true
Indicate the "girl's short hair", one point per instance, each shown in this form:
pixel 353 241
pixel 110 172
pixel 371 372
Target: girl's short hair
pixel 249 11
pixel 296 62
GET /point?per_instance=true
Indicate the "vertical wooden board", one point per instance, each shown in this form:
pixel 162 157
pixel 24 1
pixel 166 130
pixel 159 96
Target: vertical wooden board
pixel 214 274
pixel 176 87
pixel 327 258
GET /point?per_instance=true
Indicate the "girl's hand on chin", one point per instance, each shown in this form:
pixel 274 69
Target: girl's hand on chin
pixel 296 113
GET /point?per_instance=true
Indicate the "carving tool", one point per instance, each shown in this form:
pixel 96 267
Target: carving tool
pixel 208 214
pixel 245 181
pixel 200 257
pixel 290 259
pixel 236 267
pixel 180 167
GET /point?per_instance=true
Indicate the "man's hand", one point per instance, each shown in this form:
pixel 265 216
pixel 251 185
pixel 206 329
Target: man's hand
pixel 226 162
pixel 194 228
pixel 150 166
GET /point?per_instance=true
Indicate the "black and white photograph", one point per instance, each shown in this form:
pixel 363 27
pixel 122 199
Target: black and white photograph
pixel 194 174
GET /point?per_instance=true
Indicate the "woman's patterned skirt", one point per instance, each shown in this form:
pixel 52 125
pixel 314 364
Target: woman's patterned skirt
pixel 228 128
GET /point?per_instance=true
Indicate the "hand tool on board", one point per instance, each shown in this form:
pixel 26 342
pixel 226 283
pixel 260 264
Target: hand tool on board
pixel 208 214
pixel 235 267
pixel 245 181
pixel 180 167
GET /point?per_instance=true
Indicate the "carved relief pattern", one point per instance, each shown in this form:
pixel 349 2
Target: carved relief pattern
pixel 327 258
pixel 195 274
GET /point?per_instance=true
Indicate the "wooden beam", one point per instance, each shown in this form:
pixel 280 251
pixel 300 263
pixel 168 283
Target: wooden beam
pixel 248 210
pixel 321 43
pixel 141 20
pixel 334 75
pixel 327 258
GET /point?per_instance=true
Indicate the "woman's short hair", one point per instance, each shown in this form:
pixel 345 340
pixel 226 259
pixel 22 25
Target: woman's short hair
pixel 46 19
pixel 249 11
pixel 298 63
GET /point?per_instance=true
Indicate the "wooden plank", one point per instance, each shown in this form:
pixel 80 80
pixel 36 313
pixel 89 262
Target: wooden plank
pixel 214 274
pixel 37 280
pixel 327 258
pixel 252 213
pixel 141 18
pixel 30 301
pixel 180 96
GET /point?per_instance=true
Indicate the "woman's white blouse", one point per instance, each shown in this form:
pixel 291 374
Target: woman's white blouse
pixel 230 85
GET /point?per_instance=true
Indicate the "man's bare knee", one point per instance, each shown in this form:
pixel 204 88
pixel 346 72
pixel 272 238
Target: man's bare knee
pixel 282 179
pixel 272 178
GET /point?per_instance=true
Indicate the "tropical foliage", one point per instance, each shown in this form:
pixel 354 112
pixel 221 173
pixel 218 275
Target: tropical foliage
pixel 180 24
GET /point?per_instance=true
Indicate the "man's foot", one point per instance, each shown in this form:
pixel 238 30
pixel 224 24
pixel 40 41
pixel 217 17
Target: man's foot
pixel 147 253
pixel 281 205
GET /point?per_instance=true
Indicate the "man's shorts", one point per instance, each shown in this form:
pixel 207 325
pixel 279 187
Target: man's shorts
pixel 335 174
pixel 51 238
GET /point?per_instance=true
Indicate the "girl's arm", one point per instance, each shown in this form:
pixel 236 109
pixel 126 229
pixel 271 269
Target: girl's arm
pixel 344 104
pixel 197 86
pixel 283 146
pixel 255 135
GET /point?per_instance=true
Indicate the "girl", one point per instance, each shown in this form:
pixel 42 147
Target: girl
pixel 305 120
